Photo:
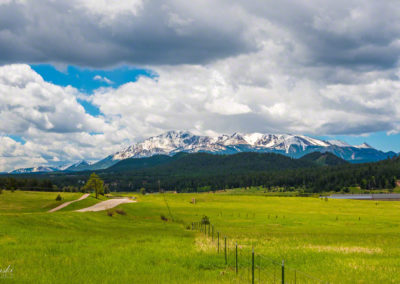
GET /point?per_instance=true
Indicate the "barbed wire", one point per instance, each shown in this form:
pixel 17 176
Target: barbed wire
pixel 245 264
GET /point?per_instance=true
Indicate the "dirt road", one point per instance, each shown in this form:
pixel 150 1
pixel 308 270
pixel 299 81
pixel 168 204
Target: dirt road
pixel 108 204
pixel 68 203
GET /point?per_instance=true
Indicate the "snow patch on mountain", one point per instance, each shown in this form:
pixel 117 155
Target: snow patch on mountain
pixel 364 146
pixel 40 169
pixel 183 141
pixel 339 143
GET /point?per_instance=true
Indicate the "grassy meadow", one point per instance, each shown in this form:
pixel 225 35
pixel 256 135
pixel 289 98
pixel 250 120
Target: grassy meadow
pixel 32 201
pixel 336 241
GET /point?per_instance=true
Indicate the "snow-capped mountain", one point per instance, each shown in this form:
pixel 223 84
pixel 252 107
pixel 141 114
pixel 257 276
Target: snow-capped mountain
pixel 295 146
pixel 184 141
pixel 80 166
pixel 173 142
pixel 364 146
pixel 75 167
pixel 40 169
pixel 170 143
pixel 338 143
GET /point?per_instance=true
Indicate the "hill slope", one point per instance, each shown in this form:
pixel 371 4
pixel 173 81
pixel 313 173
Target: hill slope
pixel 324 159
pixel 204 163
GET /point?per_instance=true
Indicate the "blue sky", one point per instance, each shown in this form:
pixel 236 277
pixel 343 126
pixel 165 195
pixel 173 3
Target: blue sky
pixel 87 80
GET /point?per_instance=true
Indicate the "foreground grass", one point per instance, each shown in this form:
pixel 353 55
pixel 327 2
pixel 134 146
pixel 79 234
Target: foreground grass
pixel 340 241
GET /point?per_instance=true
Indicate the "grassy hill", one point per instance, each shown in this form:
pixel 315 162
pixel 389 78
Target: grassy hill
pixel 31 201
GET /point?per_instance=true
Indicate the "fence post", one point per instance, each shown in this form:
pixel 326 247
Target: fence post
pixel 283 272
pixel 218 241
pixel 252 266
pixel 226 258
pixel 236 258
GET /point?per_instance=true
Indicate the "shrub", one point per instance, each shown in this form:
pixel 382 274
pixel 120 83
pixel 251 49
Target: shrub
pixel 110 212
pixel 143 191
pixel 162 216
pixel 205 220
pixel 58 198
pixel 120 211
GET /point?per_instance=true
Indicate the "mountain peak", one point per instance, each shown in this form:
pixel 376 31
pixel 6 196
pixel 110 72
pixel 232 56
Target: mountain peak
pixel 174 134
pixel 83 163
pixel 364 146
pixel 79 166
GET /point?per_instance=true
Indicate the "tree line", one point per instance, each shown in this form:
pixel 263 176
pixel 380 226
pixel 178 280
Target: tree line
pixel 202 173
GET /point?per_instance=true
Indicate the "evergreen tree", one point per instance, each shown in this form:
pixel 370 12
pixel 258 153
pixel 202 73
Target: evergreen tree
pixel 96 184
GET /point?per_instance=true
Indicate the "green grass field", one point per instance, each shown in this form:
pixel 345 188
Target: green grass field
pixel 32 201
pixel 87 202
pixel 338 241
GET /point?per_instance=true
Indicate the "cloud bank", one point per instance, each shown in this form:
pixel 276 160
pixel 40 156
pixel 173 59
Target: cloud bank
pixel 301 67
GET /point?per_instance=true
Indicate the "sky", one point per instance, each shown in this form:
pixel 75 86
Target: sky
pixel 82 79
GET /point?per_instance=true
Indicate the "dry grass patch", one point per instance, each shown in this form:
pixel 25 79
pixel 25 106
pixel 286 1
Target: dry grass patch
pixel 345 250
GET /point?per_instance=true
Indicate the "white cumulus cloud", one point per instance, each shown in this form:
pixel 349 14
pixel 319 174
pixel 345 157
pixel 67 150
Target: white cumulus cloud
pixel 321 68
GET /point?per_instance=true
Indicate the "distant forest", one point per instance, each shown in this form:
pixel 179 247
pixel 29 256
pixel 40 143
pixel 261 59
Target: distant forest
pixel 316 172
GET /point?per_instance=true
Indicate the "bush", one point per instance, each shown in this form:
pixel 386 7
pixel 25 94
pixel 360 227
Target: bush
pixel 162 216
pixel 205 220
pixel 58 198
pixel 110 212
pixel 143 191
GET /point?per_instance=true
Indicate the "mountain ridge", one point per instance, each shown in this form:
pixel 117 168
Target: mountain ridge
pixel 291 145
pixel 294 146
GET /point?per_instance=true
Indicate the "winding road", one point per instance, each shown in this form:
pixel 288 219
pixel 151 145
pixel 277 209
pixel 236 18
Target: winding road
pixel 108 204
pixel 68 203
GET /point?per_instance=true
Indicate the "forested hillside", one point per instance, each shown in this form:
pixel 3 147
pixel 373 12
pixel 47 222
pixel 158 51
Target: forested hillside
pixel 316 172
pixel 324 159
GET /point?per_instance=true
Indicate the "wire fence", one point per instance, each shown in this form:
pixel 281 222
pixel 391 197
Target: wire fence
pixel 244 265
